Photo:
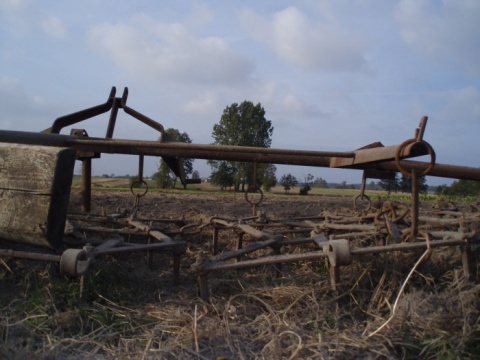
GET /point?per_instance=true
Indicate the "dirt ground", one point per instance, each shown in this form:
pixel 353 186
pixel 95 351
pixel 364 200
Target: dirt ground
pixel 386 305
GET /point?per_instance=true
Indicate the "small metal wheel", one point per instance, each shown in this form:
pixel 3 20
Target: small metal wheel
pixel 338 252
pixel 74 262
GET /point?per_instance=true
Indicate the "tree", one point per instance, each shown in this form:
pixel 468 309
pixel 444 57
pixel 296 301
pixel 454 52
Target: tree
pixel 269 178
pixel 165 177
pixel 389 184
pixel 442 189
pixel 223 174
pixel 343 185
pixel 306 184
pixel 465 188
pixel 405 184
pixel 460 188
pixel 321 183
pixel 242 125
pixel 288 182
pixel 371 185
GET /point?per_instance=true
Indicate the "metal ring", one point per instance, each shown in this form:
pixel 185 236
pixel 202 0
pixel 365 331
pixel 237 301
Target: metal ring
pixel 139 183
pixel 362 196
pixel 252 190
pixel 413 141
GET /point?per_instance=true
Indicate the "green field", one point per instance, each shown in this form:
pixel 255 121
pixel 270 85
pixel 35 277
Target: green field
pixel 123 184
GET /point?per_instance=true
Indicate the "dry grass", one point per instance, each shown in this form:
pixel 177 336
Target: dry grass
pixel 250 316
pixel 130 312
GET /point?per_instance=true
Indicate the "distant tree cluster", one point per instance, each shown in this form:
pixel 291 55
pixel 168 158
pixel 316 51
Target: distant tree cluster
pixel 402 184
pixel 344 185
pixel 460 188
pixel 320 183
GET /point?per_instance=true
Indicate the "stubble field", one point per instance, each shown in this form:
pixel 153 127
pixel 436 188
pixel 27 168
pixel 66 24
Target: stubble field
pixel 128 311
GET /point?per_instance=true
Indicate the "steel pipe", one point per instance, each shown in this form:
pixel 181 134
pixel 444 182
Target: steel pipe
pixel 229 153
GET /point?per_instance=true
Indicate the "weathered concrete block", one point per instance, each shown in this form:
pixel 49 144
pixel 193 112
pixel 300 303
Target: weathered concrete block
pixel 35 184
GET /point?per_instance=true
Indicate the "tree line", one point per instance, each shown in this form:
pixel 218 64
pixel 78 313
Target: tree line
pixel 245 124
pixel 460 188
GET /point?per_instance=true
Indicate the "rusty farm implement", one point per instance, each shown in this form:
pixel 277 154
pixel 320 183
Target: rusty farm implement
pixel 36 171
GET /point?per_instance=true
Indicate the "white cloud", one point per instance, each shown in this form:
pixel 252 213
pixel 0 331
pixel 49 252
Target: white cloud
pixel 293 106
pixel 282 101
pixel 11 5
pixel 19 110
pixel 292 103
pixel 169 52
pixel 462 108
pixel 17 17
pixel 203 105
pixel 201 14
pixel 446 31
pixel 322 44
pixel 54 28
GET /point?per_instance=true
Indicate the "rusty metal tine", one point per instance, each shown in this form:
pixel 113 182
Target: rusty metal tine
pixel 253 232
pixel 145 119
pixel 140 247
pixel 421 128
pixel 407 246
pixel 415 203
pixel 245 228
pixel 78 116
pixel 113 118
pixel 140 168
pixel 108 244
pixel 29 255
pixel 245 250
pixel 174 163
pixel 364 181
pixel 153 233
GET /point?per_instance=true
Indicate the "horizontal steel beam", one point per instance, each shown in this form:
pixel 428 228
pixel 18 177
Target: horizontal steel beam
pixel 369 158
pixel 439 170
pixel 175 149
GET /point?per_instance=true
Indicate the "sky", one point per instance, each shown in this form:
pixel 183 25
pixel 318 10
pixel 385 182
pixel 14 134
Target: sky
pixel 331 75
